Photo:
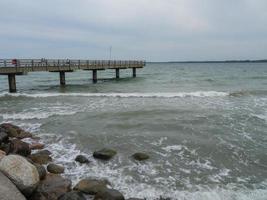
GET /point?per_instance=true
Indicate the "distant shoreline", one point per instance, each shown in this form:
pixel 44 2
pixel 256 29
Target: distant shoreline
pixel 217 61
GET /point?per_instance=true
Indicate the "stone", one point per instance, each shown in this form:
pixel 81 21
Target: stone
pixel 109 194
pixel 2 154
pixel 41 171
pixel 22 173
pixel 14 131
pixel 19 147
pixel 104 154
pixel 41 158
pixel 73 195
pixel 46 152
pixel 8 191
pixel 81 159
pixel 140 156
pixel 3 137
pixel 51 188
pixel 36 145
pixel 135 199
pixel 55 169
pixel 91 186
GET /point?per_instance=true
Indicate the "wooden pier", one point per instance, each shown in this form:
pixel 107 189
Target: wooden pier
pixel 13 67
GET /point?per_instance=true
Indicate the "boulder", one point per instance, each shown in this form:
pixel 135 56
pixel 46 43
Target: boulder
pixel 55 169
pixel 8 191
pixel 81 159
pixel 135 199
pixel 109 194
pixel 91 186
pixel 14 131
pixel 36 145
pixel 46 152
pixel 41 158
pixel 19 147
pixel 2 154
pixel 73 195
pixel 140 156
pixel 3 137
pixel 41 171
pixel 22 173
pixel 51 188
pixel 104 154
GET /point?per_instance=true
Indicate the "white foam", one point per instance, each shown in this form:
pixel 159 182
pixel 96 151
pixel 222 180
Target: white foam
pixel 124 95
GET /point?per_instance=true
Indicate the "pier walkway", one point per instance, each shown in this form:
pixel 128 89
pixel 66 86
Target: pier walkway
pixel 13 67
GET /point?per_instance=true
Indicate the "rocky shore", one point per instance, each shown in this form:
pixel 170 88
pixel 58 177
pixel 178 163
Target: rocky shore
pixel 27 171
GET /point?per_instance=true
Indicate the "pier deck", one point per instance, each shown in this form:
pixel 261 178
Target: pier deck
pixel 13 67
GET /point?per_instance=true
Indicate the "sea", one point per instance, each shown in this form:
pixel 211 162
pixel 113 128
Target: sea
pixel 204 126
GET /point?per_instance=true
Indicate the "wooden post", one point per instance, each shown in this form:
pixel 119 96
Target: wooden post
pixel 134 72
pixel 117 73
pixel 94 76
pixel 62 78
pixel 12 83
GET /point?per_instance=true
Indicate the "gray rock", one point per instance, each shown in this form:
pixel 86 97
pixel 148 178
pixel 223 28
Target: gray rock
pixel 55 169
pixel 2 154
pixel 109 194
pixel 22 173
pixel 41 158
pixel 81 159
pixel 19 147
pixel 91 186
pixel 14 131
pixel 104 154
pixel 135 199
pixel 51 188
pixel 41 171
pixel 73 195
pixel 8 191
pixel 3 137
pixel 140 156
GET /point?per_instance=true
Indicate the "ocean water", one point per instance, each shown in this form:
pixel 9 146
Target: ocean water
pixel 204 126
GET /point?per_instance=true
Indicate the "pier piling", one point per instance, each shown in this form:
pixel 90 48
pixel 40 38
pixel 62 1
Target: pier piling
pixel 94 76
pixel 117 73
pixel 134 72
pixel 62 78
pixel 12 83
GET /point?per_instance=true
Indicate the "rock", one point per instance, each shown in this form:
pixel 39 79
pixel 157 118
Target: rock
pixel 22 173
pixel 73 195
pixel 55 169
pixel 109 194
pixel 41 158
pixel 46 152
pixel 19 147
pixel 104 154
pixel 36 145
pixel 8 191
pixel 51 188
pixel 41 171
pixel 81 159
pixel 135 199
pixel 14 131
pixel 91 186
pixel 2 154
pixel 140 156
pixel 3 137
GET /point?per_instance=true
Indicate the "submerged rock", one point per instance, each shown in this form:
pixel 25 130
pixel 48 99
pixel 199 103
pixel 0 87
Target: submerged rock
pixel 104 154
pixel 14 131
pixel 140 156
pixel 22 173
pixel 8 191
pixel 41 158
pixel 109 194
pixel 55 169
pixel 51 188
pixel 19 147
pixel 73 195
pixel 91 186
pixel 81 159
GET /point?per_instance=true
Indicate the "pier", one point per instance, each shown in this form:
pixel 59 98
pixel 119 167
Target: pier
pixel 16 67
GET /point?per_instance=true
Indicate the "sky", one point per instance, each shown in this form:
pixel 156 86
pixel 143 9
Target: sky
pixel 153 30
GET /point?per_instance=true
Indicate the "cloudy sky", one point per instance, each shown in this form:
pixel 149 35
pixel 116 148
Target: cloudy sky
pixel 155 30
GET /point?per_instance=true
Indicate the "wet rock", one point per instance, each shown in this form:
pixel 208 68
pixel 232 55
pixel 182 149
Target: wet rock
pixel 73 195
pixel 41 171
pixel 19 147
pixel 14 131
pixel 91 186
pixel 5 147
pixel 35 146
pixel 41 158
pixel 55 169
pixel 109 194
pixel 22 173
pixel 46 152
pixel 81 159
pixel 2 154
pixel 3 137
pixel 104 154
pixel 140 156
pixel 135 199
pixel 8 191
pixel 51 188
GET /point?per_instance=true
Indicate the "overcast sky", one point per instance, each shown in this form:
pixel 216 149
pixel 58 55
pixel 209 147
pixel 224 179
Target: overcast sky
pixel 155 30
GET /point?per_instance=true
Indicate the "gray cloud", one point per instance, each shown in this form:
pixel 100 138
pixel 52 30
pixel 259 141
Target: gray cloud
pixel 137 29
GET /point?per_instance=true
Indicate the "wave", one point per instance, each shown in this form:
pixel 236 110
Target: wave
pixel 123 95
